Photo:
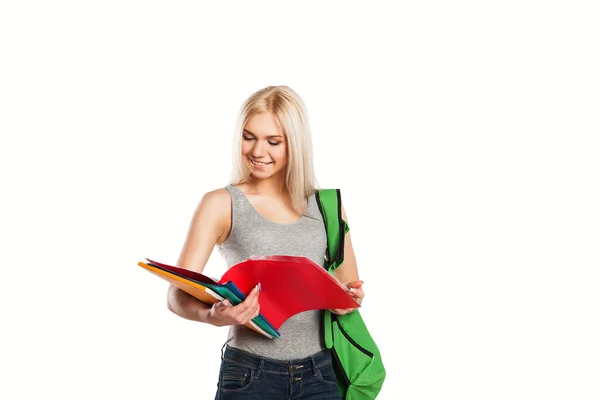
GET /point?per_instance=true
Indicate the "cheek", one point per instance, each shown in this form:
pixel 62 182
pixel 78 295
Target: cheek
pixel 246 147
pixel 280 153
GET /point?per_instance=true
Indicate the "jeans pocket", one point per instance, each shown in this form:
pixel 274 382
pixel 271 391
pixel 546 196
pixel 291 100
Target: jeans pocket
pixel 235 377
pixel 326 374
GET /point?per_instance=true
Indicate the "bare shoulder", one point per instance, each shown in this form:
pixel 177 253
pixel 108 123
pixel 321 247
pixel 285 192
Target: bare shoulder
pixel 214 209
pixel 216 204
pixel 217 198
pixel 208 227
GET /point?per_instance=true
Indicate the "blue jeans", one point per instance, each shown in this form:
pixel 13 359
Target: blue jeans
pixel 245 376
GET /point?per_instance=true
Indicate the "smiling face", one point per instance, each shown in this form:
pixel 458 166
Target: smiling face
pixel 264 147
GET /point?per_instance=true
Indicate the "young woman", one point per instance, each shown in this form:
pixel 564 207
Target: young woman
pixel 268 209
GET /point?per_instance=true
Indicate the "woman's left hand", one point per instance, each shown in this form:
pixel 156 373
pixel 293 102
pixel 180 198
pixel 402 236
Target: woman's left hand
pixel 355 291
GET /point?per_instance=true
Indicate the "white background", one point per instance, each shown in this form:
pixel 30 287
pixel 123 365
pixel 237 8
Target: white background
pixel 462 135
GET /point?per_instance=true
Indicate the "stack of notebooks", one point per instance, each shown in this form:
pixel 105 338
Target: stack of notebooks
pixel 289 285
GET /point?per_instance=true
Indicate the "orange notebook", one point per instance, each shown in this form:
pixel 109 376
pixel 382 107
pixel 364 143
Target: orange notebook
pixel 199 291
pixel 289 285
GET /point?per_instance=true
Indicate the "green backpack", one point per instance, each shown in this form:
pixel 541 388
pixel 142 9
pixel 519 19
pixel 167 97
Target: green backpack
pixel 357 361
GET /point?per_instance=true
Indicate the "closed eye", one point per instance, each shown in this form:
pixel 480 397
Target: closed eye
pixel 249 138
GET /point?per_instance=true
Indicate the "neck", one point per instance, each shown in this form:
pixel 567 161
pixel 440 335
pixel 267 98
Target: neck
pixel 274 186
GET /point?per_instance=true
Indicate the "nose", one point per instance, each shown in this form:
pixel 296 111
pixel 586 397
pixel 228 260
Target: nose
pixel 259 149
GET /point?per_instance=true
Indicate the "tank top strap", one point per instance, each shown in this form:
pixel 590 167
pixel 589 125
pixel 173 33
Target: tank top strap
pixel 240 206
pixel 236 194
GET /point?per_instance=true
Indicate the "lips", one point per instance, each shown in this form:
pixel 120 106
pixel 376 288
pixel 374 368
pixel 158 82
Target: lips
pixel 260 164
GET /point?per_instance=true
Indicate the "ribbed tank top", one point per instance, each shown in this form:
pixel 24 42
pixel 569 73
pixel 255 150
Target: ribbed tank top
pixel 252 234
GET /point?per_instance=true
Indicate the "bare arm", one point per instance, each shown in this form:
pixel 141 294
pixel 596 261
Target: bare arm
pixel 347 273
pixel 210 226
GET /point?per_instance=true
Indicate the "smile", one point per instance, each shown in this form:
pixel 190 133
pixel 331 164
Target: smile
pixel 259 164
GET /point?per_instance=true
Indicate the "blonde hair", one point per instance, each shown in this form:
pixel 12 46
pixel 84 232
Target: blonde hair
pixel 289 111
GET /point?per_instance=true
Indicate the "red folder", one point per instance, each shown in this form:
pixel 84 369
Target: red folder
pixel 289 285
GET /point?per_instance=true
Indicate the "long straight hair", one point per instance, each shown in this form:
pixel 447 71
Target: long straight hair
pixel 290 112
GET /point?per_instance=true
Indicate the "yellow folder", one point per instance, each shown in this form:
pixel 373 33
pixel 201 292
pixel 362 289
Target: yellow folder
pixel 197 290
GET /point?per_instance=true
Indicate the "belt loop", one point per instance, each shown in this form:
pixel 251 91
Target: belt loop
pixel 260 366
pixel 315 368
pixel 222 352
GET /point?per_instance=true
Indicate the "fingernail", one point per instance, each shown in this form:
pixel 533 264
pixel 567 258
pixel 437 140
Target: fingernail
pixel 259 287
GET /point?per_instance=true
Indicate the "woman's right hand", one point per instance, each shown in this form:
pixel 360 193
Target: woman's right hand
pixel 223 313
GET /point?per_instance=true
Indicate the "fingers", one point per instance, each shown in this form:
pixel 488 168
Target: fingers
pixel 354 287
pixel 357 294
pixel 248 309
pixel 249 301
pixel 225 303
pixel 355 290
pixel 355 284
pixel 221 305
pixel 250 312
pixel 254 315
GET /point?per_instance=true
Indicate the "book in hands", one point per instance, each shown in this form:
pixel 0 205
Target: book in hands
pixel 206 290
pixel 289 285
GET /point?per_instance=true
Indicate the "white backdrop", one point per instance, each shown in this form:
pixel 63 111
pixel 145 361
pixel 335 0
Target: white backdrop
pixel 463 136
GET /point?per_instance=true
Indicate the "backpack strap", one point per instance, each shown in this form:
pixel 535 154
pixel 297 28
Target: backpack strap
pixel 329 202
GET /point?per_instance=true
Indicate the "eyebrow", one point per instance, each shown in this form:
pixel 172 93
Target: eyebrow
pixel 268 137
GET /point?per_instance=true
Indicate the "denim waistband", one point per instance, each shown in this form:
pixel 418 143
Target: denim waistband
pixel 292 367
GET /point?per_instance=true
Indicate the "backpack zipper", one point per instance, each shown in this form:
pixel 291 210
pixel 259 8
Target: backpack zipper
pixel 334 318
pixel 340 367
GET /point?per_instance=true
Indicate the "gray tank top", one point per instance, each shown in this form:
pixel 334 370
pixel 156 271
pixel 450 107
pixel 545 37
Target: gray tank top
pixel 252 234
